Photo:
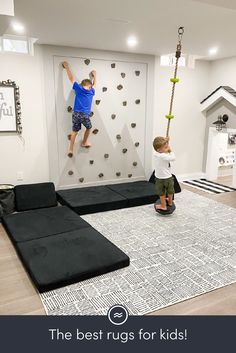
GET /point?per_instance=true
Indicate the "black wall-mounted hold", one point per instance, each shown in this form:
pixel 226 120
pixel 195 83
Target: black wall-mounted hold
pixel 118 174
pixel 91 161
pixel 124 103
pixel 95 131
pixel 91 114
pixel 122 74
pixel 119 87
pixel 98 101
pixel 106 155
pixel 133 125
pixel 113 116
pixel 130 175
pixel 69 109
pixel 70 172
pixel 136 144
pixel 101 175
pixel 87 61
pixel 135 164
pixel 81 180
pixel 104 89
pixel 137 72
pixel 113 65
pixel 124 150
pixel 118 137
pixel 137 101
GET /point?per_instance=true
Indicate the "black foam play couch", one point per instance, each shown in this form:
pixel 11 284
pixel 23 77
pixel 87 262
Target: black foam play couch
pixel 56 246
pixel 110 197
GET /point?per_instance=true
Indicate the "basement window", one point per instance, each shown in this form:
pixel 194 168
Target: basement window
pixel 170 60
pixel 17 44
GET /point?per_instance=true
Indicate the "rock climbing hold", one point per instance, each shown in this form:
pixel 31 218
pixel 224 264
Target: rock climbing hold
pixel 136 144
pixel 118 174
pixel 87 61
pixel 104 89
pixel 124 103
pixel 98 101
pixel 122 74
pixel 130 175
pixel 91 114
pixel 70 172
pixel 95 131
pixel 124 150
pixel 91 161
pixel 135 164
pixel 106 155
pixel 69 109
pixel 81 180
pixel 101 175
pixel 118 137
pixel 113 116
pixel 119 87
pixel 137 101
pixel 133 125
pixel 69 137
pixel 113 65
pixel 137 72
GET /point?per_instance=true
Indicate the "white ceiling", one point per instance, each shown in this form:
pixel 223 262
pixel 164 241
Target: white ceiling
pixel 106 24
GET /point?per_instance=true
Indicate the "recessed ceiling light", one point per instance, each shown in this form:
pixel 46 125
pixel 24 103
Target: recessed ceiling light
pixel 132 41
pixel 213 51
pixel 18 27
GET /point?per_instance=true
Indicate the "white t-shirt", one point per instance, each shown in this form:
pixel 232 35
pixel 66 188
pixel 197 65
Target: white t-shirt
pixel 162 164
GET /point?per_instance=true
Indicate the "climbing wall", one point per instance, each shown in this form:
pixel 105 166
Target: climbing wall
pixel 118 119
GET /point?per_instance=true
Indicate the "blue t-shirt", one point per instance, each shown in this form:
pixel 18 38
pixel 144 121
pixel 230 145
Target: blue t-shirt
pixel 83 98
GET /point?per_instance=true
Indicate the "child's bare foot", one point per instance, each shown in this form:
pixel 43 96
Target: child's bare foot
pixel 160 207
pixel 86 145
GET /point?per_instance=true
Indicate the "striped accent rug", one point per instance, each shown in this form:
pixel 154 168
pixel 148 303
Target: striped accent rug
pixel 208 186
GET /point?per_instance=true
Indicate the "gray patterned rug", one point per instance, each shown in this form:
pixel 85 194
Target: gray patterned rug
pixel 173 258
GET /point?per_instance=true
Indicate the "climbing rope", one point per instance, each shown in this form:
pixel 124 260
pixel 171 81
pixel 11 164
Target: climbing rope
pixel 175 80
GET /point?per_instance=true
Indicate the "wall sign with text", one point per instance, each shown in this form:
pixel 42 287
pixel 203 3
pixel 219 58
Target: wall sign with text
pixel 10 108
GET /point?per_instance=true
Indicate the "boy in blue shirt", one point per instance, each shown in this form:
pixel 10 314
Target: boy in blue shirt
pixel 84 93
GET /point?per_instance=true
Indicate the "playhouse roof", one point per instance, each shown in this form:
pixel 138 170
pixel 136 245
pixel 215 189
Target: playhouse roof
pixel 222 92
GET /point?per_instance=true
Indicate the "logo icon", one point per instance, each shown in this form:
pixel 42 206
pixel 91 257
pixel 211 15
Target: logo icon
pixel 118 314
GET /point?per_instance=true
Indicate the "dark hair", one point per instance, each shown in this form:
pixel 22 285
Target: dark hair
pixel 86 81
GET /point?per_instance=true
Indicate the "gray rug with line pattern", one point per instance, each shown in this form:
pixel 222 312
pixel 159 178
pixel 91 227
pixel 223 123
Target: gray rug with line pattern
pixel 173 258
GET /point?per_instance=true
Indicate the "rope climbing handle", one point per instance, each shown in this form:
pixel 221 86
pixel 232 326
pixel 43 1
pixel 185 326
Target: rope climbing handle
pixel 174 80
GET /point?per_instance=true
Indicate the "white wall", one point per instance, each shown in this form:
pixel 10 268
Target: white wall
pixel 30 158
pixel 222 73
pixel 187 129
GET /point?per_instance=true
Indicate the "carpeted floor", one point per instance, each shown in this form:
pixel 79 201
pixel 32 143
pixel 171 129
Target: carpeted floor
pixel 173 258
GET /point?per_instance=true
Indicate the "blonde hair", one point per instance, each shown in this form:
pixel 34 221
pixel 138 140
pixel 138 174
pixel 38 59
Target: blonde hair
pixel 159 142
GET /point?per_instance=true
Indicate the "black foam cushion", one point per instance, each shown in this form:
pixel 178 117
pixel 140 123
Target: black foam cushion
pixel 91 199
pixel 63 259
pixel 42 223
pixel 33 196
pixel 138 192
